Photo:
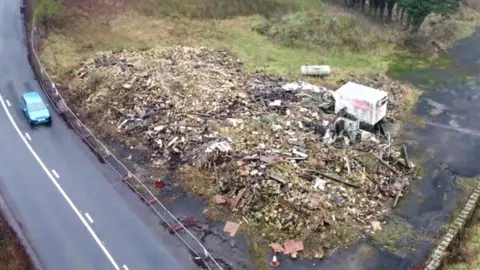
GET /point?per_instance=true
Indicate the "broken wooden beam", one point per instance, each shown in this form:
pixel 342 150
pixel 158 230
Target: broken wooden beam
pixel 397 196
pixel 384 163
pixel 405 156
pixel 278 179
pixel 334 178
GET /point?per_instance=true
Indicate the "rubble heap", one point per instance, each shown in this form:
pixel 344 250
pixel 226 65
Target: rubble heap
pixel 282 159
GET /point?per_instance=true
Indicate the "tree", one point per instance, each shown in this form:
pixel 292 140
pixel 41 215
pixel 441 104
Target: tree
pixel 47 11
pixel 390 6
pixel 417 11
pixel 413 11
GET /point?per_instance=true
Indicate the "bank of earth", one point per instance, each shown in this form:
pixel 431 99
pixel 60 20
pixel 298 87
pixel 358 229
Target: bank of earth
pixel 13 255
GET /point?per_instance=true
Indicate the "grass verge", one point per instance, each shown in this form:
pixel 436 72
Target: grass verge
pixel 12 253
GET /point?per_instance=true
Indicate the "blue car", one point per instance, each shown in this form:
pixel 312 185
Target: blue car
pixel 35 109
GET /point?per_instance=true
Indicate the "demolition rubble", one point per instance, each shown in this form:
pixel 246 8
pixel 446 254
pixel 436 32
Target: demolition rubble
pixel 285 156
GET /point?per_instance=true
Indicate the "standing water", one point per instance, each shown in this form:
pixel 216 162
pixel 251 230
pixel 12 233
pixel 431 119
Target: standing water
pixel 446 140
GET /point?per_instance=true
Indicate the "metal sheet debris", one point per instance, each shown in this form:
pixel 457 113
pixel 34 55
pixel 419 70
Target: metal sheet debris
pixel 231 228
pixel 367 104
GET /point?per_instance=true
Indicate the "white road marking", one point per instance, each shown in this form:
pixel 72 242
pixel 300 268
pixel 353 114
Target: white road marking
pixel 89 217
pixel 8 103
pixel 125 267
pixel 28 136
pixel 56 174
pixel 60 189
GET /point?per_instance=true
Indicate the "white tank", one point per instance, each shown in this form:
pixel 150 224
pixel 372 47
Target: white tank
pixel 320 70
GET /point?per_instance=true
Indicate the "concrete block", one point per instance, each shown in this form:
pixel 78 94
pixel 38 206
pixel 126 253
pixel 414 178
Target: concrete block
pixel 431 266
pixel 445 241
pixel 457 224
pixel 448 239
pixel 452 233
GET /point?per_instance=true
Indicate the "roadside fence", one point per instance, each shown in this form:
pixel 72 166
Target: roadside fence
pixel 197 249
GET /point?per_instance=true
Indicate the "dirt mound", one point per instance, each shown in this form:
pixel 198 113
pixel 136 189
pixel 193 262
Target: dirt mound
pixel 274 150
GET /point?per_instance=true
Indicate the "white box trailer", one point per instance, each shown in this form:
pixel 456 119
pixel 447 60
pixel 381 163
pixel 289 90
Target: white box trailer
pixel 368 104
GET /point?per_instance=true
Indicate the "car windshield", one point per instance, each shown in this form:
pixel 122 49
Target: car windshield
pixel 36 106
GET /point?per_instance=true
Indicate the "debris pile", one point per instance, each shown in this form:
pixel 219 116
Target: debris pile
pixel 281 158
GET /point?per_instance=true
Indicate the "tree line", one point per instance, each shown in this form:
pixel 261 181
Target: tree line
pixel 410 12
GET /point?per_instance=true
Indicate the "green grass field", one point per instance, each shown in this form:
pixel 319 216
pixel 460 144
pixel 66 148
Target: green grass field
pixel 276 36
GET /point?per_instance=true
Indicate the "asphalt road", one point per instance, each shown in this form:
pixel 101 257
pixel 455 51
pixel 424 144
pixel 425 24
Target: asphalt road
pixel 64 203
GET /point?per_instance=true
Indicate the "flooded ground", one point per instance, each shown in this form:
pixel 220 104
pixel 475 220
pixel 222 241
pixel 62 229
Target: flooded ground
pixel 447 141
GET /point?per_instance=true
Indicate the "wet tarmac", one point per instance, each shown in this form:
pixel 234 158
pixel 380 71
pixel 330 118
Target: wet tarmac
pixel 447 142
